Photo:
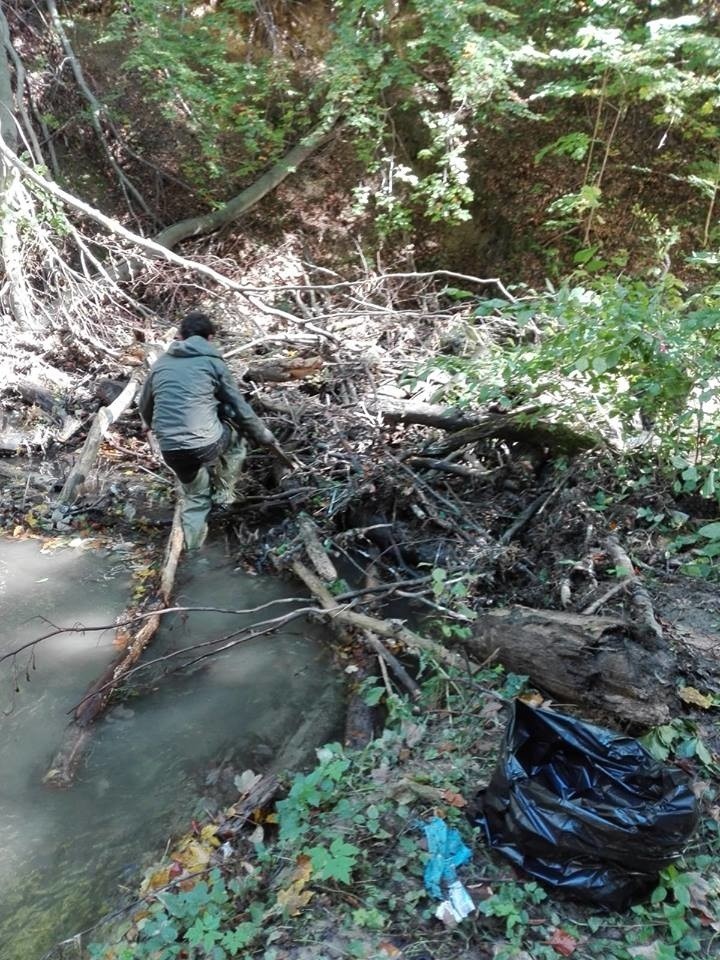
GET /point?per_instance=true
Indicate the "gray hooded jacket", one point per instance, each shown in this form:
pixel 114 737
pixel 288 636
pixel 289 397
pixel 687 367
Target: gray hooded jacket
pixel 184 392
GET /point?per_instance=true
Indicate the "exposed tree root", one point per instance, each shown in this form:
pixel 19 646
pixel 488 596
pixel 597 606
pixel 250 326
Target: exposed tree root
pixel 646 626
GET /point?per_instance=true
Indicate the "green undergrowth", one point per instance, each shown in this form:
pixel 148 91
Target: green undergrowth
pixel 336 869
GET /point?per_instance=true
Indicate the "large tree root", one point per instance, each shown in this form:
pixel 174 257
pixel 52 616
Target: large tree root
pixel 590 661
pixel 94 703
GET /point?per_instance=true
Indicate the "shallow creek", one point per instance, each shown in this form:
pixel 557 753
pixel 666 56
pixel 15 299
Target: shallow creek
pixel 64 855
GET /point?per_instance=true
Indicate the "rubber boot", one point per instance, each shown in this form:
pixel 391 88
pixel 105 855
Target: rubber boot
pixel 195 509
pixel 225 472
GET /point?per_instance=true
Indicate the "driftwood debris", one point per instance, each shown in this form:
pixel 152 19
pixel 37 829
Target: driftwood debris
pixel 359 727
pixel 359 716
pixel 316 552
pixel 591 661
pixel 95 702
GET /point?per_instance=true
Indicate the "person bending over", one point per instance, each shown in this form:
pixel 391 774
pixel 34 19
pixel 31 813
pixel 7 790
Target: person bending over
pixel 200 420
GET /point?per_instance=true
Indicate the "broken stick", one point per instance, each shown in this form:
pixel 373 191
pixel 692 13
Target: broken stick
pixel 391 629
pixel 104 419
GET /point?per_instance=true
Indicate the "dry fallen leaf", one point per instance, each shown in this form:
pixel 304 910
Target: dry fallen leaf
pixel 390 950
pixel 294 897
pixel 699 788
pixel 157 878
pixel 192 854
pixel 208 834
pixel 503 950
pixel 693 696
pixel 413 733
pixel 647 951
pixel 699 891
pixel 246 781
pixel 563 943
pixel 257 836
pixel 532 699
pixel 454 799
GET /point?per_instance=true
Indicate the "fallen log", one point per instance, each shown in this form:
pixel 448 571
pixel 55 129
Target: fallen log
pixel 95 702
pixel 514 426
pixel 523 425
pixel 282 369
pixel 395 410
pixel 591 661
pixel 104 419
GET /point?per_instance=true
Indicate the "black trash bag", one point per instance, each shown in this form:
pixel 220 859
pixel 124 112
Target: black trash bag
pixel 586 811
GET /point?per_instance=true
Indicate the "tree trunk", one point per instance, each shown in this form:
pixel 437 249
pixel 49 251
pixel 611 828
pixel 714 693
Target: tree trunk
pixel 209 222
pixel 15 299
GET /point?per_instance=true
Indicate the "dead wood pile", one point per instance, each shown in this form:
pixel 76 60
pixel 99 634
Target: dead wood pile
pixel 442 505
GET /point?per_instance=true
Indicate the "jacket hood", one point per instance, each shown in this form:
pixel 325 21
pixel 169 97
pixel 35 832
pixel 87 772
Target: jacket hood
pixel 192 347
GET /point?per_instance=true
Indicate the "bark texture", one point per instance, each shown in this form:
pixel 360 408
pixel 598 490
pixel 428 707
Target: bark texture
pixel 594 662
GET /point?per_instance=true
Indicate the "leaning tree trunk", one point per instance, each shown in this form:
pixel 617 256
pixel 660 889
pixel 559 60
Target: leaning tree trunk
pixel 15 299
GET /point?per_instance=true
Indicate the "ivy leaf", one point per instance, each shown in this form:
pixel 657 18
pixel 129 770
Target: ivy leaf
pixel 335 863
pixel 241 936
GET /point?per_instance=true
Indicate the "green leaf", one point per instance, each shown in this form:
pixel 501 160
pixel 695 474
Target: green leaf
pixel 708 487
pixel 241 936
pixel 335 863
pixel 711 531
pixel 373 695
pixel 702 753
pixel 582 256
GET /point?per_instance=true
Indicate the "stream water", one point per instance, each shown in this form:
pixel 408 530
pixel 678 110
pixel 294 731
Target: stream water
pixel 65 854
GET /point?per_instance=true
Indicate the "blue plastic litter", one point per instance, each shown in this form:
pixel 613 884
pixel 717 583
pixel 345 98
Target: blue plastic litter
pixel 447 851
